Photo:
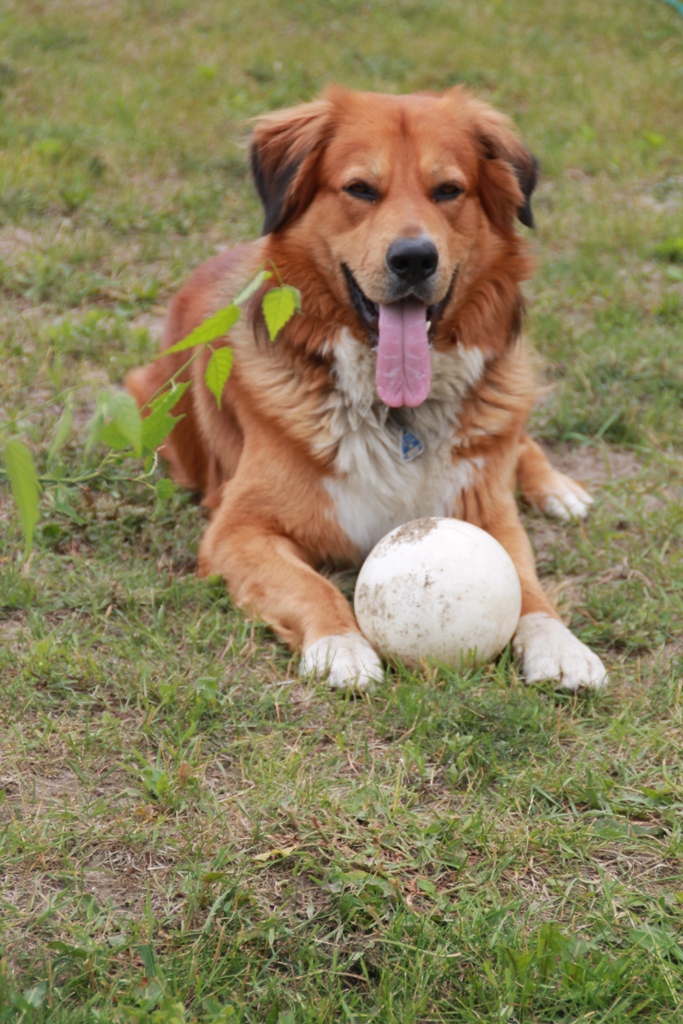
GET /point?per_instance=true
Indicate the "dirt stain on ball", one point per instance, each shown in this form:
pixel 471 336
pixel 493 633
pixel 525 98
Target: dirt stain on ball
pixel 410 532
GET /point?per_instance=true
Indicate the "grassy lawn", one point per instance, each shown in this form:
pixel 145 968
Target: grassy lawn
pixel 187 832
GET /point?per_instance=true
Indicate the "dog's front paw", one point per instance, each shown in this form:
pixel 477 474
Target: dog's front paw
pixel 564 499
pixel 348 661
pixel 547 650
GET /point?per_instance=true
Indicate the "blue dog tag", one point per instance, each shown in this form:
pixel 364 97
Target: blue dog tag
pixel 411 445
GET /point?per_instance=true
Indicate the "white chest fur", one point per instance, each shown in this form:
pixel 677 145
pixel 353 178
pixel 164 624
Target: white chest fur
pixel 374 489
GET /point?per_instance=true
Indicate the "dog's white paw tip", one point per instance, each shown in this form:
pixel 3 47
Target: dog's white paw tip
pixel 547 650
pixel 348 661
pixel 566 505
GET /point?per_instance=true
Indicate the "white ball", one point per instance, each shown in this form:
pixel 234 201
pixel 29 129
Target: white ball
pixel 441 589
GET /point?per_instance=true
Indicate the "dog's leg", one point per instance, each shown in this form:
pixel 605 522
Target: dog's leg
pixel 267 574
pixel 545 488
pixel 544 647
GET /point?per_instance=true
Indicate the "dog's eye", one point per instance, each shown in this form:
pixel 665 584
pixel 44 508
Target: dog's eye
pixel 361 190
pixel 447 191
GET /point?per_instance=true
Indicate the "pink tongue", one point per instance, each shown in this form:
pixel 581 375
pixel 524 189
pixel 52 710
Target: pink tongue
pixel 403 368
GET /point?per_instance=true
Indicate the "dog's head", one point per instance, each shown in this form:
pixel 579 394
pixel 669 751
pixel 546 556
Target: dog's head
pixel 392 196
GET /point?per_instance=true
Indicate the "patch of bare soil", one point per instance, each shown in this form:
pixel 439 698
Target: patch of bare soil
pixel 34 789
pixel 12 620
pixel 593 466
pixel 661 659
pixel 14 240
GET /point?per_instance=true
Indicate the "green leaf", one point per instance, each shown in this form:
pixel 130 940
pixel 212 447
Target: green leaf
pixel 427 886
pixel 66 950
pixel 655 139
pixel 158 425
pixel 62 496
pixel 109 434
pixel 670 250
pixel 218 371
pixel 62 432
pixel 212 329
pixel 279 306
pixel 146 954
pixel 155 430
pixel 117 422
pixel 166 401
pixel 657 940
pixel 169 1012
pixel 97 421
pixel 252 287
pixel 164 489
pixel 21 471
pixel 35 997
pixel 126 417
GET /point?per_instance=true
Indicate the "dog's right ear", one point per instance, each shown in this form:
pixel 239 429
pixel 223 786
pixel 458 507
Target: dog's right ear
pixel 284 151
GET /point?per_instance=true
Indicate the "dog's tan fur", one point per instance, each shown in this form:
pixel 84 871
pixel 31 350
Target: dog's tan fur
pixel 268 461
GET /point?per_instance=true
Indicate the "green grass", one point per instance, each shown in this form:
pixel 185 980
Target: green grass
pixel 188 833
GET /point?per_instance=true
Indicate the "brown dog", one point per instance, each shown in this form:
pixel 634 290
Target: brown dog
pixel 401 390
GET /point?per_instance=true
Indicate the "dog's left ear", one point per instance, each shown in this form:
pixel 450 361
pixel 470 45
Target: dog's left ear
pixel 284 151
pixel 508 171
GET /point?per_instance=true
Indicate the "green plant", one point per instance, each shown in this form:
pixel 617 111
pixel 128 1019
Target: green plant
pixel 117 423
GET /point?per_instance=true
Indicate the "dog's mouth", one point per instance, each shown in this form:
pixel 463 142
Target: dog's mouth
pixel 402 332
pixel 368 311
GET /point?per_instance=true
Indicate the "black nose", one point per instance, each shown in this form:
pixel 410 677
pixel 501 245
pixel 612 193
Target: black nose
pixel 413 259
